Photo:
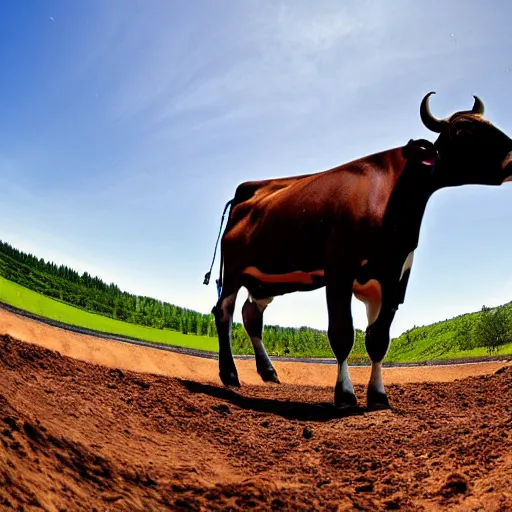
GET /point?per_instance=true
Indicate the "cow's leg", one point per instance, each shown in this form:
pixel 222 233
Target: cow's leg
pixel 252 314
pixel 377 344
pixel 380 318
pixel 223 312
pixel 341 337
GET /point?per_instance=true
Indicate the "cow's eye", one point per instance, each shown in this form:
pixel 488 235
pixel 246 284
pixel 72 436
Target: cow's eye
pixel 463 133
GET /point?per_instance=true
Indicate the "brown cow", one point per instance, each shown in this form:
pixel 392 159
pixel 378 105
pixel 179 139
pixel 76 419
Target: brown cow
pixel 352 229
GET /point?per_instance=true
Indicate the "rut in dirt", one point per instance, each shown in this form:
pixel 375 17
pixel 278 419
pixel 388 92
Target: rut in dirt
pixel 77 436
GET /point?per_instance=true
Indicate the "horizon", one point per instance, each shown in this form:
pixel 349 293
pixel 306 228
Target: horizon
pixel 127 127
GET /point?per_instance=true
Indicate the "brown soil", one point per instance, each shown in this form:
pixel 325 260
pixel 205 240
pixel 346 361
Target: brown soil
pixel 87 432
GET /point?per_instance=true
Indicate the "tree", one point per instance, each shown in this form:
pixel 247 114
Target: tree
pixel 465 336
pixel 493 329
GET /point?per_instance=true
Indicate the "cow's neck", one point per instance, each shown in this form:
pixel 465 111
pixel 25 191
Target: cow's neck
pixel 408 202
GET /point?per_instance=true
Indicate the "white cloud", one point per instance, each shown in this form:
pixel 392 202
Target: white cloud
pixel 312 31
pixel 303 61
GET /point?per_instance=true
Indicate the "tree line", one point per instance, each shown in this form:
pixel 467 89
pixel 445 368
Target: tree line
pixel 94 295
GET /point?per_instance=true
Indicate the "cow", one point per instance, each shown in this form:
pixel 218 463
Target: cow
pixel 352 229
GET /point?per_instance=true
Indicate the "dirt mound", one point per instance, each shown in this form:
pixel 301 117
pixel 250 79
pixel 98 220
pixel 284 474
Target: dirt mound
pixel 78 436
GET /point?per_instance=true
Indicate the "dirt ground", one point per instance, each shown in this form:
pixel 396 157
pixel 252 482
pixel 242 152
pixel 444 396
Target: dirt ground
pixel 93 425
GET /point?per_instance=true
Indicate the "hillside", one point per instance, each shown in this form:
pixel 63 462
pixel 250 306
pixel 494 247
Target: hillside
pixel 66 296
pixel 456 337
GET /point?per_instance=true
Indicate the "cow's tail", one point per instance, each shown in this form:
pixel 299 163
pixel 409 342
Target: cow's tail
pixel 209 273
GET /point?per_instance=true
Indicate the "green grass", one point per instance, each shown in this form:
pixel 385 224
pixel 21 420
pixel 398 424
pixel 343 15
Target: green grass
pixel 33 302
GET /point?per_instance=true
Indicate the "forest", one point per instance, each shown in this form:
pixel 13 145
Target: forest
pixel 490 328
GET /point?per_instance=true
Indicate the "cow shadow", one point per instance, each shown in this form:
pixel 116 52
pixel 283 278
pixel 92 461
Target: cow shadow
pixel 291 410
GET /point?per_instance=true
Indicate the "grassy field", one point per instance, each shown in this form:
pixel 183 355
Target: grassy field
pixel 23 298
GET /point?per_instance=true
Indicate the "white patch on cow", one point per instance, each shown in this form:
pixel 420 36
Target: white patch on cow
pixel 376 383
pixel 226 305
pixel 407 264
pixel 370 294
pixel 261 304
pixel 344 377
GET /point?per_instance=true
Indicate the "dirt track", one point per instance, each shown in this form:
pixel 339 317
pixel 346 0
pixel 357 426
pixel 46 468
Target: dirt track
pixel 86 432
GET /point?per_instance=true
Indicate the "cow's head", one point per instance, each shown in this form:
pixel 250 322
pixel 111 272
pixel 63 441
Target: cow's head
pixel 471 149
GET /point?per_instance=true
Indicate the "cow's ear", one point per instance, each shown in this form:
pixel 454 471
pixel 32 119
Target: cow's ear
pixel 420 152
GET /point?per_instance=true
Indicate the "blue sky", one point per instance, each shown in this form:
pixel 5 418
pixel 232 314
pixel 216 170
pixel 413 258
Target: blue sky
pixel 126 125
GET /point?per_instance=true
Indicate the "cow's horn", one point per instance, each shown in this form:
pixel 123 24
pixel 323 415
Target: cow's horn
pixel 478 107
pixel 427 118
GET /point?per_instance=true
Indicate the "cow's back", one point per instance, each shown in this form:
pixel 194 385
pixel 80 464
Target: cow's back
pixel 359 189
pixel 269 217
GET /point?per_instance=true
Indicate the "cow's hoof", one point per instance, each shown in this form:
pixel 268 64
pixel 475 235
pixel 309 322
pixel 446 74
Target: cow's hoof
pixel 377 401
pixel 344 400
pixel 230 379
pixel 269 376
